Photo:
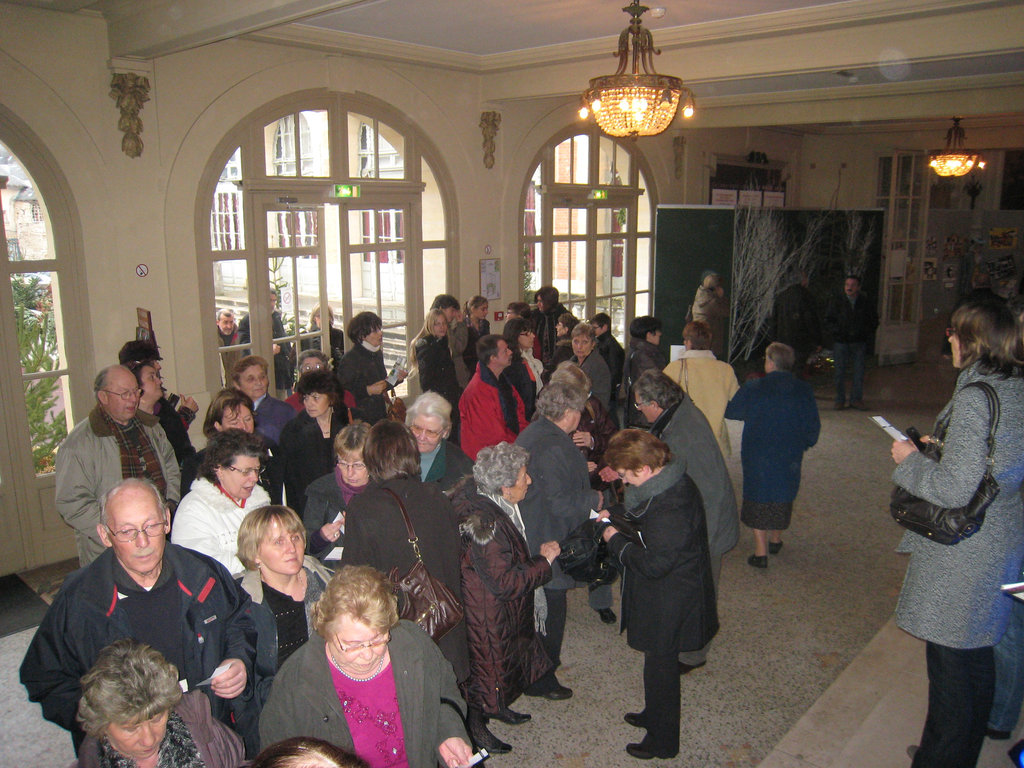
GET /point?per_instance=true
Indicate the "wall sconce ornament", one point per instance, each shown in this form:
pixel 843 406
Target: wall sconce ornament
pixel 130 91
pixel 489 123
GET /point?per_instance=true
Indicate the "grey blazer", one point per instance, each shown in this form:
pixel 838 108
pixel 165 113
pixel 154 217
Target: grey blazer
pixel 951 594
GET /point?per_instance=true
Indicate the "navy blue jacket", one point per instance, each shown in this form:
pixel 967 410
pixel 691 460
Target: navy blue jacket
pixel 86 616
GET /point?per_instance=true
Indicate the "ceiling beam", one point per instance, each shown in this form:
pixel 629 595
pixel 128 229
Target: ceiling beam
pixel 159 27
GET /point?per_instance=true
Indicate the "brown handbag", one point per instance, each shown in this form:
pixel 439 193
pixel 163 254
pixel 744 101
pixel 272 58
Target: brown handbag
pixel 428 602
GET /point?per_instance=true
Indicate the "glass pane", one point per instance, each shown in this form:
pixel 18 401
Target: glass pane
pixel 611 266
pixel 569 270
pixel 386 225
pixel 363 279
pixel 432 205
pixel 435 269
pixel 644 219
pixel 581 159
pixel 884 176
pixel 569 221
pixel 37 321
pixel 227 232
pixel 390 153
pixel 283 282
pixel 563 162
pixel 532 259
pixel 643 304
pixel 905 175
pixel 612 163
pixel 611 221
pixel 47 419
pixel 392 286
pixel 362 147
pixel 292 228
pixel 532 215
pixel 314 145
pixel 643 265
pixel 25 217
pixel 615 308
pixel 279 146
pixel 395 345
pixel 231 299
pixel 307 290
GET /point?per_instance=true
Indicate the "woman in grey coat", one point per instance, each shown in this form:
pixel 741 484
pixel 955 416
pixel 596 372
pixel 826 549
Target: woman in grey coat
pixel 950 596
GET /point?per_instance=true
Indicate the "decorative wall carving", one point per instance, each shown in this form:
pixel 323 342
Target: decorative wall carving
pixel 489 122
pixel 130 91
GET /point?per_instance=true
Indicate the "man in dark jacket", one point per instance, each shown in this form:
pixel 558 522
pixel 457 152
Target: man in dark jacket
pixel 795 321
pixel 852 321
pixel 180 602
pixel 549 309
pixel 613 354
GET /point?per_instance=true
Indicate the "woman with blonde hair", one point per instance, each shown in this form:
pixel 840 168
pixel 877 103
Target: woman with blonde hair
pixel 342 685
pixel 283 582
pixel 431 356
pixel 134 714
pixel 479 326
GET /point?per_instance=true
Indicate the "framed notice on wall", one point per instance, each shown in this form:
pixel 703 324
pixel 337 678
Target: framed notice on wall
pixel 490 279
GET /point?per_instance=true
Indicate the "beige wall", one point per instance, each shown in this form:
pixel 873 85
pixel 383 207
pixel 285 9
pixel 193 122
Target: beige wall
pixel 55 78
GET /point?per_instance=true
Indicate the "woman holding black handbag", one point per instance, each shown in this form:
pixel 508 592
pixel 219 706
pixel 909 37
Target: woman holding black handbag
pixel 950 596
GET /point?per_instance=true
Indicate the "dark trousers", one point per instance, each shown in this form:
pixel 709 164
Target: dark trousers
pixel 661 704
pixel 960 688
pixel 554 627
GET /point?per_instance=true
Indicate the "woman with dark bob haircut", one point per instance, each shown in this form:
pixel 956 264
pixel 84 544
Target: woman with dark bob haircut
pixel 375 533
pixel 307 442
pixel 134 713
pixel 362 371
pixel 644 354
pixel 668 596
pixel 230 409
pixel 208 517
pixel 950 596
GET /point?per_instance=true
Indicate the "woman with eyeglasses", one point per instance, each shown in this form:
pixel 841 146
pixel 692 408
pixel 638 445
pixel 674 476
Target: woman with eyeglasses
pixel 209 517
pixel 153 402
pixel 441 460
pixel 525 371
pixel 328 497
pixel 306 449
pixel 284 584
pixel 343 685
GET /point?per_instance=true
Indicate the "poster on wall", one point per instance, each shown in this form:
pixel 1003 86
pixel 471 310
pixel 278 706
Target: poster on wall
pixel 774 199
pixel 930 270
pixel 490 279
pixel 1002 238
pixel 723 197
pixel 750 198
pixel 950 272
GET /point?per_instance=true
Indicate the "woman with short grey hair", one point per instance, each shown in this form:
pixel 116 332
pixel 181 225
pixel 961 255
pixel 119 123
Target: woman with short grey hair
pixel 134 713
pixel 557 398
pixel 441 460
pixel 499 583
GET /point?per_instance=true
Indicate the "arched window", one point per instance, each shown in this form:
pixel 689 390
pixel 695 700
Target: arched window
pixel 345 213
pixel 587 228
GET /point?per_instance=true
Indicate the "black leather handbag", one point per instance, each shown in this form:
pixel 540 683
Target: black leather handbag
pixel 943 524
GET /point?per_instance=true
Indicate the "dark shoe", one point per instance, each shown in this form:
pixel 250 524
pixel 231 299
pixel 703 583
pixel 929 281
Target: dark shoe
pixel 992 733
pixel 685 669
pixel 482 737
pixel 758 561
pixel 859 405
pixel 774 547
pixel 636 719
pixel 640 752
pixel 607 615
pixel 840 406
pixel 510 717
pixel 558 693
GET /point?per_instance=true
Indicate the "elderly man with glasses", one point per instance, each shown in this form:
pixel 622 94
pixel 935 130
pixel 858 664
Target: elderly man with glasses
pixel 116 441
pixel 180 602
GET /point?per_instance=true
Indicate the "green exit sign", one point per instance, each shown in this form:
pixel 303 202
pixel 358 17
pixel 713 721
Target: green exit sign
pixel 346 190
pixel 598 194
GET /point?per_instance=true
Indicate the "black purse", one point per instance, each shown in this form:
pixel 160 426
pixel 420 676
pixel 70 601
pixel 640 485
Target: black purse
pixel 942 524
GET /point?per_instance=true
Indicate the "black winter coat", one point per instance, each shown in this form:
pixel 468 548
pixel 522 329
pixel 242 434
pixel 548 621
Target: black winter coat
pixel 642 357
pixel 437 370
pixel 519 377
pixel 375 535
pixel 668 597
pixel 306 455
pixel 506 655
pixel 615 356
pixel 359 369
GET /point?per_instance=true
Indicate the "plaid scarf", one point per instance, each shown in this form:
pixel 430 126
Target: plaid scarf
pixel 138 457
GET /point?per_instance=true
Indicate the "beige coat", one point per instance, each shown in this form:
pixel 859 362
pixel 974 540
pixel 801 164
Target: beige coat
pixel 711 384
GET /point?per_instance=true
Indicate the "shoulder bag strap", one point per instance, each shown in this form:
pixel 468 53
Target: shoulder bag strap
pixel 413 539
pixel 993 411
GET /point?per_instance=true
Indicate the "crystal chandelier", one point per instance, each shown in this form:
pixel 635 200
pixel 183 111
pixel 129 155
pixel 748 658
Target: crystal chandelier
pixel 955 160
pixel 637 104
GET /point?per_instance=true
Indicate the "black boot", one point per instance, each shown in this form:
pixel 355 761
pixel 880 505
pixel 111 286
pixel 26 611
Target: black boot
pixel 483 737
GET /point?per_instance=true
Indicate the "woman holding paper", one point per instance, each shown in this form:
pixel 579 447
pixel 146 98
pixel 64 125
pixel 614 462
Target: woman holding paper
pixel 283 583
pixel 328 497
pixel 950 596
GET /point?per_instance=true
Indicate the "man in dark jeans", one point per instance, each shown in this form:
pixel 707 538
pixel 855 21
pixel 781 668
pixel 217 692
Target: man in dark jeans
pixel 852 321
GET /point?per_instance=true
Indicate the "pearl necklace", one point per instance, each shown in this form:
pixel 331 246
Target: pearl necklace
pixel 337 666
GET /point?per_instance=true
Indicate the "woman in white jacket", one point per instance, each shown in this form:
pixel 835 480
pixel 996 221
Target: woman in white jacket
pixel 208 518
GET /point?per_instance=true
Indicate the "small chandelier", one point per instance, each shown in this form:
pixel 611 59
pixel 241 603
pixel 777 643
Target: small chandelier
pixel 635 104
pixel 955 160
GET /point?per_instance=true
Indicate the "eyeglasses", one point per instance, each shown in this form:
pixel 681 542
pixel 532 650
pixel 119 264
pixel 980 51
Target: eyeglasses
pixel 433 434
pixel 128 535
pixel 246 472
pixel 356 465
pixel 128 394
pixel 950 333
pixel 356 647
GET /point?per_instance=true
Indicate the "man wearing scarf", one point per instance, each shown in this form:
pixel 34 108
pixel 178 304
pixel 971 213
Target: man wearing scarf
pixel 116 441
pixel 491 409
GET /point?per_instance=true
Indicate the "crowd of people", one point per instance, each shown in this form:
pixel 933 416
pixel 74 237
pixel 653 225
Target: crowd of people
pixel 245 594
